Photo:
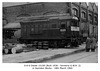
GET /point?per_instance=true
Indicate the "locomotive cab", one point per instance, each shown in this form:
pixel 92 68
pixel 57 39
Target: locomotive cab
pixel 74 33
pixel 69 28
pixel 57 31
pixel 74 28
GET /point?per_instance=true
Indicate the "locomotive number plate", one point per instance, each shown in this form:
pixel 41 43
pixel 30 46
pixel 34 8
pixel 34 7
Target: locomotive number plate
pixel 74 28
pixel 62 30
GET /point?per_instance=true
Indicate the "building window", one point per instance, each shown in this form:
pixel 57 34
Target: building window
pixel 75 12
pixel 90 17
pixel 95 18
pixel 83 15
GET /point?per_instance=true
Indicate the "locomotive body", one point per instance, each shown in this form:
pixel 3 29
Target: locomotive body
pixel 53 31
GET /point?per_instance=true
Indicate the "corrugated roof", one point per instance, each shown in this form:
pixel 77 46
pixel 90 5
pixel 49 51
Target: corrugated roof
pixel 12 25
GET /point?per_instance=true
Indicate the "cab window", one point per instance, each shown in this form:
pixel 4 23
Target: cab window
pixel 63 24
pixel 74 23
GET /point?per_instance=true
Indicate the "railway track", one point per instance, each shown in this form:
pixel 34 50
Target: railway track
pixel 82 58
pixel 74 58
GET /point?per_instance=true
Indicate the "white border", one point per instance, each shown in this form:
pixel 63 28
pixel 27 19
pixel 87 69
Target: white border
pixel 20 67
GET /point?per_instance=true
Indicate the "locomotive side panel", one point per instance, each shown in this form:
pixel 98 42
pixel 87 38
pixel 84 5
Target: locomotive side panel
pixel 40 30
pixel 23 30
pixel 54 30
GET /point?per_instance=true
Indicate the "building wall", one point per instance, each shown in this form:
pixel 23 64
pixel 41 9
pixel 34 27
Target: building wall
pixel 83 19
pixel 92 9
pixel 10 13
pixel 76 6
pixel 13 12
pixel 95 20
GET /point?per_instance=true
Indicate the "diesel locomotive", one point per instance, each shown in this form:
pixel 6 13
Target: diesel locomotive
pixel 50 31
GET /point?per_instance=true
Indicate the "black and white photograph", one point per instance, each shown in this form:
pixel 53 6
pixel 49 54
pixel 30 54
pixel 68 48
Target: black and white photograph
pixel 41 35
pixel 50 32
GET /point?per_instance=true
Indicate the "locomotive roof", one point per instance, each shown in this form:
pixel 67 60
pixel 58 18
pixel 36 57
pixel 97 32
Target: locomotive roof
pixel 47 18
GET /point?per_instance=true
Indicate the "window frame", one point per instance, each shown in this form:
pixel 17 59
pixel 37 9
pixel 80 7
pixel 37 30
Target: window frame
pixel 95 18
pixel 83 14
pixel 90 17
pixel 75 11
